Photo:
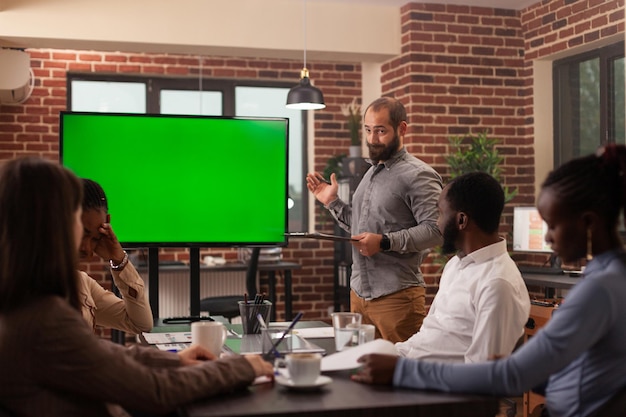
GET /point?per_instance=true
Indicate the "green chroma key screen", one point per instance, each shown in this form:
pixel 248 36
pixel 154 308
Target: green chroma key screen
pixel 184 180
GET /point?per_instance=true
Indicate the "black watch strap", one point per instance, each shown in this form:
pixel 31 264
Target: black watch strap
pixel 385 243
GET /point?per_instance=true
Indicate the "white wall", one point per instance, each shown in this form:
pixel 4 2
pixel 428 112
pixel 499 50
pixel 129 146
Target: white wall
pixel 257 28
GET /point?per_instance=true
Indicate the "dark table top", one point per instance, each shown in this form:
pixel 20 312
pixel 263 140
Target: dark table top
pixel 341 398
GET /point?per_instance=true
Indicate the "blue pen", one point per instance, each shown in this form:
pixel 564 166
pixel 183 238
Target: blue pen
pixel 291 326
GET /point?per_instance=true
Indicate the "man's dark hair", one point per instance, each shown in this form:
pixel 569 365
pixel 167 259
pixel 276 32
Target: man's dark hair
pixel 397 112
pixel 480 196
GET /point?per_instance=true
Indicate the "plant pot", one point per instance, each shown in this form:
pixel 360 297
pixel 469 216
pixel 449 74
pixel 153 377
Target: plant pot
pixel 355 151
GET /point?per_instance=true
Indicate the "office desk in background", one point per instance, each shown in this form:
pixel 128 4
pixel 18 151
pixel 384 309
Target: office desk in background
pixel 271 268
pixel 550 282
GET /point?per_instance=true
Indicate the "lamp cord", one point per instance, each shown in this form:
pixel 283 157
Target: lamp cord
pixel 200 85
pixel 304 26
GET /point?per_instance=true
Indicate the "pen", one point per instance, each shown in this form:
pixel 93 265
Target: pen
pixel 291 326
pixel 260 318
pixel 319 177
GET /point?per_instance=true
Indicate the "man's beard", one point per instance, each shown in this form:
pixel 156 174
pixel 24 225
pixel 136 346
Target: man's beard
pixel 450 235
pixel 381 152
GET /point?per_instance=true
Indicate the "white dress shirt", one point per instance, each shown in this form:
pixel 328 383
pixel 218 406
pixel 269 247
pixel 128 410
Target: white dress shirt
pixel 480 310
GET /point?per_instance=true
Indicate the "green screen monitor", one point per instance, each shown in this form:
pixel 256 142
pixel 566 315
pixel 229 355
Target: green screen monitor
pixel 184 181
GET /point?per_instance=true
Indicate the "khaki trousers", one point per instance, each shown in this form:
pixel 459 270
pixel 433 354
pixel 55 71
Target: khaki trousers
pixel 396 316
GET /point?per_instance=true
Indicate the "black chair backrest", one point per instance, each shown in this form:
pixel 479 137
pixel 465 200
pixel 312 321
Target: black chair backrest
pixel 252 272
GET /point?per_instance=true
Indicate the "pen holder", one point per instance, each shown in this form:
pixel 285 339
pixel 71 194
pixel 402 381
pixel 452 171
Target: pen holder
pixel 249 311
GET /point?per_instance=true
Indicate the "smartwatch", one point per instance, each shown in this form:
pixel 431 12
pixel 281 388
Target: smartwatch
pixel 385 243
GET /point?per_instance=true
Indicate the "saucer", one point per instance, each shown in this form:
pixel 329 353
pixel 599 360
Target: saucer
pixel 319 382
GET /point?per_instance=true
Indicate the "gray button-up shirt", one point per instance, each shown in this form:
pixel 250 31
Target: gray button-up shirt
pixel 398 198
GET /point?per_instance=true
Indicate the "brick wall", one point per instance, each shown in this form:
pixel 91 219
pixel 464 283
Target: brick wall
pixel 462 69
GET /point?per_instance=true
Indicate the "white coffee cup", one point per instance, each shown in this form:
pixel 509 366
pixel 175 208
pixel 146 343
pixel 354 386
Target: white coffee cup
pixel 209 334
pixel 304 368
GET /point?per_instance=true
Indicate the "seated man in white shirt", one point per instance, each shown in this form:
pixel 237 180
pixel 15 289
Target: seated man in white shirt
pixel 482 303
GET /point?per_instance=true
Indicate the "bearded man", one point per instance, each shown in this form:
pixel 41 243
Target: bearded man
pixel 393 220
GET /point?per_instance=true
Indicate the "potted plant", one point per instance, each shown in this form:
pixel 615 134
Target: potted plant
pixel 471 153
pixel 352 111
pixel 477 152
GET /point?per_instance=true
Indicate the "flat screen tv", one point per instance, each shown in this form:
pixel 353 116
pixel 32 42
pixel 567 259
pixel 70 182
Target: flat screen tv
pixel 529 231
pixel 184 181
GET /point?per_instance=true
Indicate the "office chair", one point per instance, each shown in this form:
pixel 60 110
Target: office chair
pixel 228 305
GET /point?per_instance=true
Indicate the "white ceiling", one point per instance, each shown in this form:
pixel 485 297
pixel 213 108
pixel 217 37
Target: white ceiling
pixel 500 4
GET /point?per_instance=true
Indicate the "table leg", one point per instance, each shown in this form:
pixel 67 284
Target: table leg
pixel 288 312
pixel 271 275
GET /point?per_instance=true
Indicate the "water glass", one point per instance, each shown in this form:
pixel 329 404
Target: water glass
pixel 279 336
pixel 367 332
pixel 346 327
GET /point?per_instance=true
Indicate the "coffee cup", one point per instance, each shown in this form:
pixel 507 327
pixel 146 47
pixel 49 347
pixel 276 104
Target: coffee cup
pixel 304 368
pixel 209 334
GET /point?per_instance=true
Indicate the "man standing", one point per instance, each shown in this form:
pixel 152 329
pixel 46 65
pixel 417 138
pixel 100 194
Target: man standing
pixel 482 303
pixel 393 218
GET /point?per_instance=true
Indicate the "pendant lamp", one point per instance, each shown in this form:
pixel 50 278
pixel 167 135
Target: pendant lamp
pixel 305 96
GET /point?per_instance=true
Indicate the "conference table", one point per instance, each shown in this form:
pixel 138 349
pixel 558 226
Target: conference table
pixel 341 398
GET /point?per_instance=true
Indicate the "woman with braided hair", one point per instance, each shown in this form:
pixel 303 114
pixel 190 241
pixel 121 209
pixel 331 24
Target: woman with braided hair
pixel 132 312
pixel 580 355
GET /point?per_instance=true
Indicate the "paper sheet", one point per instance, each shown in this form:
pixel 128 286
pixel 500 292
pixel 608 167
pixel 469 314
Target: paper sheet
pixel 163 338
pixel 322 236
pixel 315 332
pixel 347 359
pixel 172 347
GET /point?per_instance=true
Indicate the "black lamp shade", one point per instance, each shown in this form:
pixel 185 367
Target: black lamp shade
pixel 304 96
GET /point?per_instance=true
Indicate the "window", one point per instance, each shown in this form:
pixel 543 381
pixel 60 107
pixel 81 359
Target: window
pixel 589 102
pixel 127 94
